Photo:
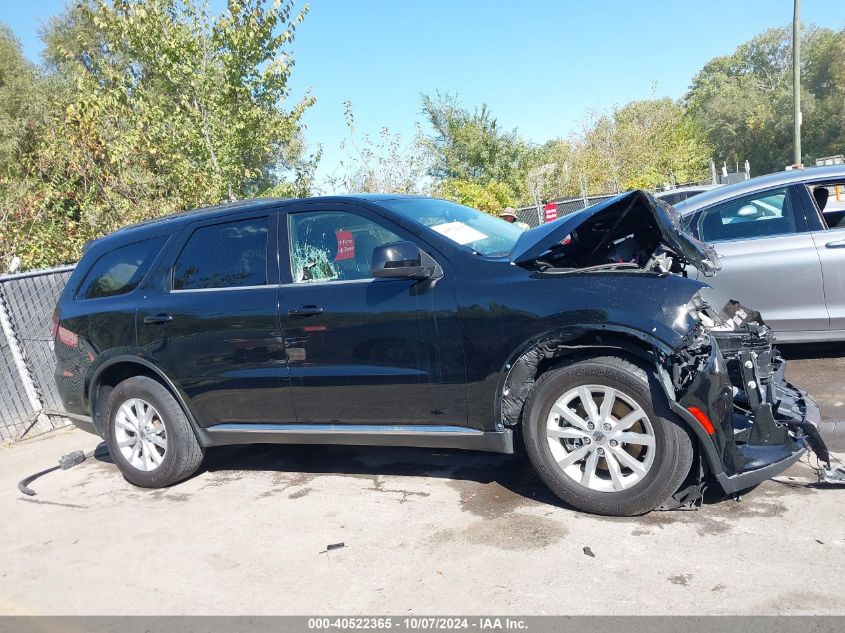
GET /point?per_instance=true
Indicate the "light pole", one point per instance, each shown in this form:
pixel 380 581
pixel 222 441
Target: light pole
pixel 796 79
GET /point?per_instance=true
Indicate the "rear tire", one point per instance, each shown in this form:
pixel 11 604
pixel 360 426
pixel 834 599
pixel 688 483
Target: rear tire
pixel 149 436
pixel 621 460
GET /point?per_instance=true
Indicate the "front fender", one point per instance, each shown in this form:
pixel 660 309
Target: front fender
pixel 520 371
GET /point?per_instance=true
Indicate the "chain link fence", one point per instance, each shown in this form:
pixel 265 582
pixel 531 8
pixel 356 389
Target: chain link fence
pixel 534 217
pixel 29 401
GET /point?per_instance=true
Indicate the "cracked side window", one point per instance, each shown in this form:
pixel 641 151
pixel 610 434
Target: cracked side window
pixel 333 245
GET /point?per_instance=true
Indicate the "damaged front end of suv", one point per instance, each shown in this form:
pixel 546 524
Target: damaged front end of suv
pixel 727 381
pixel 719 371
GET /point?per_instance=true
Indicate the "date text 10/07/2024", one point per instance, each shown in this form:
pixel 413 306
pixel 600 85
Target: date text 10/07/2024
pixel 417 623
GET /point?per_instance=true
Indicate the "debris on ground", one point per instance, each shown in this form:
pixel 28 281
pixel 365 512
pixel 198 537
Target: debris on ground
pixel 333 546
pixel 65 462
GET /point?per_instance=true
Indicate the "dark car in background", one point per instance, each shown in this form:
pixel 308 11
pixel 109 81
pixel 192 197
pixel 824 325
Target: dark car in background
pixel 407 321
pixel 679 194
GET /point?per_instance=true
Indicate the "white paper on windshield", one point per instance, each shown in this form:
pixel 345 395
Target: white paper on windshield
pixel 459 232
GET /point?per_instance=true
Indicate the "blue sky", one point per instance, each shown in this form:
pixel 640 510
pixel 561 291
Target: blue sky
pixel 539 65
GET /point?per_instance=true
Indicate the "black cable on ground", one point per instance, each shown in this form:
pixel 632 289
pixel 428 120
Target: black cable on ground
pixel 67 461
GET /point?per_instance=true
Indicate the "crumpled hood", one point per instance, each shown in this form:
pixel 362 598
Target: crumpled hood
pixel 533 243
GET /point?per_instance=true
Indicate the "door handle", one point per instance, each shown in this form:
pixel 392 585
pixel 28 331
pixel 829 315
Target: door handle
pixel 305 311
pixel 158 318
pixel 836 244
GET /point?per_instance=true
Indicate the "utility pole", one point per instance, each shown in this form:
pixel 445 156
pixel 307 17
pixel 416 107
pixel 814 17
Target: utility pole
pixel 796 79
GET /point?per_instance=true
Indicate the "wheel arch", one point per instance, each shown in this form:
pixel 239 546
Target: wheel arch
pixel 549 349
pixel 118 369
pixel 569 344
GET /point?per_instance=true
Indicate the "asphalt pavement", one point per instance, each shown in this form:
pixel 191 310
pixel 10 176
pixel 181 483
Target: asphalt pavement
pixel 820 369
pixel 357 530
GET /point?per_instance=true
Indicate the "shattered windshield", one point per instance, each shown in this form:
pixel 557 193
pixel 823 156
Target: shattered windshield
pixel 483 233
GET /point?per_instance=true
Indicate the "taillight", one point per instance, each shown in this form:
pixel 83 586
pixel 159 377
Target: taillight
pixel 702 419
pixel 66 337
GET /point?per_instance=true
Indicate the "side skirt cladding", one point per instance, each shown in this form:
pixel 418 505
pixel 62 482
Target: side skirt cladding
pixel 110 374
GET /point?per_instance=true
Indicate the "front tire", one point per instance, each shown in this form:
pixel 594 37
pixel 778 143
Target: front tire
pixel 149 436
pixel 592 434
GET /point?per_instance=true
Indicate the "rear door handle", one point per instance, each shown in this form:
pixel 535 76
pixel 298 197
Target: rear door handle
pixel 158 318
pixel 836 244
pixel 305 311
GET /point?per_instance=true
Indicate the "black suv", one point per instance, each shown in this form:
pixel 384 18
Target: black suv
pixel 408 321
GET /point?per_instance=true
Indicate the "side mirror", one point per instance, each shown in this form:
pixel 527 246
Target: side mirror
pixel 400 260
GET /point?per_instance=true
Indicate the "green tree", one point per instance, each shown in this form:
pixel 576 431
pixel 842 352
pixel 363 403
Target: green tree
pixel 743 101
pixel 657 142
pixel 643 144
pixel 385 164
pixel 471 147
pixel 547 172
pixel 26 113
pixel 823 81
pixel 168 107
pixel 24 106
pixel 491 197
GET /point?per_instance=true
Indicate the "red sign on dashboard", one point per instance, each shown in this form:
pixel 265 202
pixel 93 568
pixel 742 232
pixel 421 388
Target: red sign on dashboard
pixel 550 211
pixel 345 245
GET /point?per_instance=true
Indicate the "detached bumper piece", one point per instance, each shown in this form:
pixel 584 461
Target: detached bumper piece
pixel 758 367
pixel 760 424
pixel 773 421
pixel 833 475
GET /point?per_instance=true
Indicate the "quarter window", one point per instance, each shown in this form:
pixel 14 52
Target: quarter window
pixel 759 215
pixel 121 270
pixel 227 255
pixel 334 246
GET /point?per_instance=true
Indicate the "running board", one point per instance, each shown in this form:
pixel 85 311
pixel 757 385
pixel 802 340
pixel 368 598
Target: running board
pixel 360 435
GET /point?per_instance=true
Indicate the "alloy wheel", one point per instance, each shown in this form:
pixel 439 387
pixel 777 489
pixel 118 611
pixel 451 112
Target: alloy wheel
pixel 601 438
pixel 140 434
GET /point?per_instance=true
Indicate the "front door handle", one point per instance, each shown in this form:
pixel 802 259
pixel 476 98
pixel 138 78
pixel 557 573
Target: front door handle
pixel 158 318
pixel 836 244
pixel 305 311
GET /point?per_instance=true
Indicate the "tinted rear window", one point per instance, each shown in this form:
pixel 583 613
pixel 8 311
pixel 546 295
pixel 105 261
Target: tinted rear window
pixel 226 255
pixel 121 270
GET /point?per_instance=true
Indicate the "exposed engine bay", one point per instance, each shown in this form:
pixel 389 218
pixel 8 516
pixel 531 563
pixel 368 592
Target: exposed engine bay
pixel 637 236
pixel 632 238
